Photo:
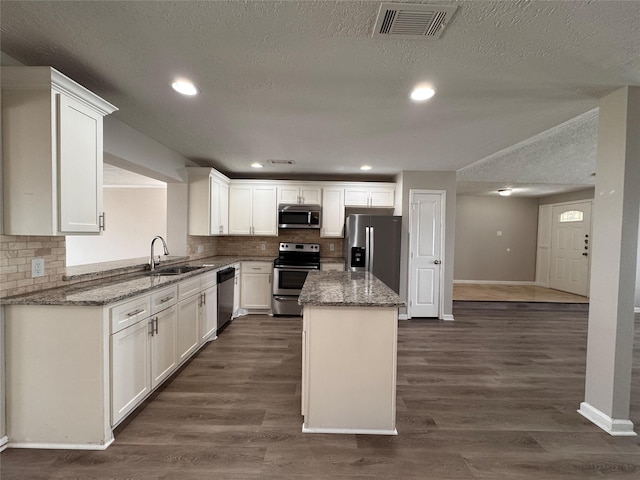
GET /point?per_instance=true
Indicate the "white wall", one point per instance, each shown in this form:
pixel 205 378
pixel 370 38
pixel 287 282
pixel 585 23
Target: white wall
pixel 133 217
pixel 637 303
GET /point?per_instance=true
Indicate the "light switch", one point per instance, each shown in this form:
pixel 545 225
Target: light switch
pixel 499 233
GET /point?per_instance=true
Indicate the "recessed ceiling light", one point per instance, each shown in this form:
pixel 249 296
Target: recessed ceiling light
pixel 365 167
pixel 422 93
pixel 505 192
pixel 256 165
pixel 185 87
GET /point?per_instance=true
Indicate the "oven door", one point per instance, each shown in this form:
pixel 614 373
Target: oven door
pixel 289 280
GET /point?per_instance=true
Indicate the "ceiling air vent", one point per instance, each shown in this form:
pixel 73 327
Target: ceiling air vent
pixel 280 162
pixel 408 20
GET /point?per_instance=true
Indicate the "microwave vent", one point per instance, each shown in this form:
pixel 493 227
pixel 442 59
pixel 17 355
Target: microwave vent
pixel 408 20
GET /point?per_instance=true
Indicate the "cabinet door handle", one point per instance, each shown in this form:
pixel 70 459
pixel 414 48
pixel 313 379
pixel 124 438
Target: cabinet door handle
pixel 136 312
pixel 156 323
pixel 204 299
pixel 102 222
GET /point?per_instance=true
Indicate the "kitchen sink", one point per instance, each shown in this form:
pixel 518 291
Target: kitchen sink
pixel 179 270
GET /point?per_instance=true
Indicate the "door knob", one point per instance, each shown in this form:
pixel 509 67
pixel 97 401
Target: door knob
pixel 437 262
pixel 585 254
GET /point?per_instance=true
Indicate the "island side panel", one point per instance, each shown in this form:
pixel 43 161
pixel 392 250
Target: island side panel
pixel 350 369
pixel 57 377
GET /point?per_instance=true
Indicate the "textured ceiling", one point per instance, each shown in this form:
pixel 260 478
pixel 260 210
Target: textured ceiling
pixel 304 80
pixel 560 159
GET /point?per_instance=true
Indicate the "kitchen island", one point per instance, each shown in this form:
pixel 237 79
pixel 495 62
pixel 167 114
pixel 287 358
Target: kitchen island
pixel 349 350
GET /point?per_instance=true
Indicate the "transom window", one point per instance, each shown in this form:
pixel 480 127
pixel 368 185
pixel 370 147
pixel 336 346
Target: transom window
pixel 571 216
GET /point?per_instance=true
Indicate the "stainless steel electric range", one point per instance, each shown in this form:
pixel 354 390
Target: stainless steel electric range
pixel 290 269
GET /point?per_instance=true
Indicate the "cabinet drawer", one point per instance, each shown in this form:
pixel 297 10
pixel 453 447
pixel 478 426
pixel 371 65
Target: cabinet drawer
pixel 188 288
pixel 163 299
pixel 256 267
pixel 129 312
pixel 332 267
pixel 208 280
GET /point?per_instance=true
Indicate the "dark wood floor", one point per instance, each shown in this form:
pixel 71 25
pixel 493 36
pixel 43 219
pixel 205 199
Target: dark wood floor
pixel 492 395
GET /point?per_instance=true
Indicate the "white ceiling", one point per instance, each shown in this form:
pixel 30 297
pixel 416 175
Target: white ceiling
pixel 305 81
pixel 117 177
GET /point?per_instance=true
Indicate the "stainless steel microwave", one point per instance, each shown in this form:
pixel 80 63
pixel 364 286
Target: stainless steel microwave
pixel 299 216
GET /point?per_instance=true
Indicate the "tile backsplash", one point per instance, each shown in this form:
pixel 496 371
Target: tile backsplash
pixel 16 253
pixel 262 246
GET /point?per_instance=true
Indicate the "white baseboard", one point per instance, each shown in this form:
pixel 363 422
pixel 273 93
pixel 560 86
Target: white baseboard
pixel 447 317
pixel 62 446
pixel 636 310
pixel 495 282
pixel 403 316
pixel 613 426
pixel 349 431
pixel 4 442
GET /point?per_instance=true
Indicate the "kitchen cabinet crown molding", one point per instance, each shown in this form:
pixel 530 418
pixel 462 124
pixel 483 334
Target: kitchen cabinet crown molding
pixel 212 172
pixel 49 77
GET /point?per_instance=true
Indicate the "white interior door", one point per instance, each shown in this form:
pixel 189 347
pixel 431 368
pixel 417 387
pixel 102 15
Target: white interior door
pixel 425 256
pixel 570 248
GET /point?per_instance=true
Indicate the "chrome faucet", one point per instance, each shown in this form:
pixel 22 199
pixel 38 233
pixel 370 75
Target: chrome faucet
pixel 152 262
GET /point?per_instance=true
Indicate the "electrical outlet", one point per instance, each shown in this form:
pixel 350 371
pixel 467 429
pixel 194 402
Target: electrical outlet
pixel 200 249
pixel 331 247
pixel 263 246
pixel 37 267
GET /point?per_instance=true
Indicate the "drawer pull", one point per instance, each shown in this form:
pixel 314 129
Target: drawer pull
pixel 131 314
pixel 166 299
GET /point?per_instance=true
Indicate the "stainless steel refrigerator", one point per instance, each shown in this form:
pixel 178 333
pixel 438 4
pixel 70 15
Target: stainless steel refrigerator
pixel 372 243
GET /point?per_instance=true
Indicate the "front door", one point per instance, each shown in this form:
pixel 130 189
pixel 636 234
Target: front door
pixel 425 256
pixel 570 248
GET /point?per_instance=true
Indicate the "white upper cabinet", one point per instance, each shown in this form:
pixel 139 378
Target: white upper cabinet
pixel 364 195
pixel 332 212
pixel 208 202
pixel 300 193
pixel 52 153
pixel 253 209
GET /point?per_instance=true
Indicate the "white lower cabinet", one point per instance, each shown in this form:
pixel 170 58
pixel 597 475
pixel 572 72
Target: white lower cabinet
pixel 188 336
pixel 209 314
pixel 130 369
pixel 114 358
pixel 256 285
pixel 163 329
pixel 332 267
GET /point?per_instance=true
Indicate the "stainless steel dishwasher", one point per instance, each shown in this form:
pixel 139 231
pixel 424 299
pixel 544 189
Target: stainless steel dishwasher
pixel 225 296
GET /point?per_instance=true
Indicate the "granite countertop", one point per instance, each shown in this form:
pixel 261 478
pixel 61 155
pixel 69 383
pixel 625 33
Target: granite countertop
pixel 120 287
pixel 347 289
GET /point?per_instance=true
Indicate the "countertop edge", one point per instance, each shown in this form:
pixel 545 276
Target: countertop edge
pixel 52 296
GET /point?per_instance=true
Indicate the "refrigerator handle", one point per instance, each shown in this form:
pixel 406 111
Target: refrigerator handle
pixel 371 251
pixel 367 240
